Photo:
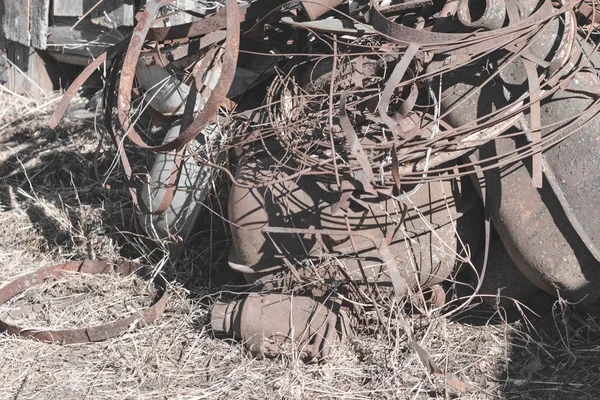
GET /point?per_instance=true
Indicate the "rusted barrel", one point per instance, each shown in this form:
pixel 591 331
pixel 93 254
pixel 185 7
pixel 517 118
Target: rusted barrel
pixel 317 229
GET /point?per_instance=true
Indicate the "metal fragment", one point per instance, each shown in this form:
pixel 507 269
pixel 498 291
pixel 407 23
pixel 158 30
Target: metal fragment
pixel 89 334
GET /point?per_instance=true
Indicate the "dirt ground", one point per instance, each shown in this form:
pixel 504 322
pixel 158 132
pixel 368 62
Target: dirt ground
pixel 52 209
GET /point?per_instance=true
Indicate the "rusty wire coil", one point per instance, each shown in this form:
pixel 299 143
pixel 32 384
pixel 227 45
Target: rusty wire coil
pixel 414 61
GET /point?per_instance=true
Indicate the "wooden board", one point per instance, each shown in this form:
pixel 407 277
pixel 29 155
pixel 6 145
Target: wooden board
pixel 109 13
pixel 197 6
pixel 70 8
pixel 83 43
pixel 26 21
pixel 27 72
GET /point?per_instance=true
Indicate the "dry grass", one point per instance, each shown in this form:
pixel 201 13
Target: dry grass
pixel 52 210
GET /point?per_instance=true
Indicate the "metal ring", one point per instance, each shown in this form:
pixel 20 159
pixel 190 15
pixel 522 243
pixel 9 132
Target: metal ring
pixel 87 334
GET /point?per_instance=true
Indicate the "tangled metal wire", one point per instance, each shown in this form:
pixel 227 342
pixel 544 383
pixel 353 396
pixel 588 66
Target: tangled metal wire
pixel 384 98
pixel 377 110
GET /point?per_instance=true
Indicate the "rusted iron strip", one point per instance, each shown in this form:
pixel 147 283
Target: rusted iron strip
pixel 61 108
pixel 391 86
pixel 358 73
pixel 183 56
pixel 64 102
pixel 591 12
pixel 218 95
pixel 463 43
pixel 171 188
pixel 577 122
pixel 215 100
pixel 356 149
pixel 405 6
pixel 197 28
pixel 108 122
pixel 536 122
pixel 565 48
pixel 213 22
pixel 145 19
pixel 204 26
pixel 176 170
pixel 396 169
pixel 408 104
pixel 93 333
pixel 138 202
pixel 476 173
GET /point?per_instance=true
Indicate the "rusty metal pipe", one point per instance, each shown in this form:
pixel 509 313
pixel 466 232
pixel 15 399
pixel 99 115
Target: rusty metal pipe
pixel 264 322
pixel 487 14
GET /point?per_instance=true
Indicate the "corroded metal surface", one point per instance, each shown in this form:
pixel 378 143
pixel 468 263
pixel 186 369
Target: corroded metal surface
pixel 572 167
pixel 348 153
pixel 552 233
pixel 422 243
pixel 265 322
pixel 88 334
pixel 537 233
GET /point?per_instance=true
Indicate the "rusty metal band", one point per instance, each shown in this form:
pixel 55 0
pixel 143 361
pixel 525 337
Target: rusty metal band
pixel 205 26
pixel 89 334
pixel 463 43
pixel 174 176
pixel 185 31
pixel 145 18
pixel 207 113
pixel 536 122
pixel 62 105
pixel 170 190
pixel 185 55
pixel 390 87
pixel 218 95
pixel 366 178
pixel 216 99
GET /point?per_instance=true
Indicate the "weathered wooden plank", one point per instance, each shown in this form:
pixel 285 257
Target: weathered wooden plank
pixel 114 13
pixel 68 8
pixel 26 22
pixel 27 71
pixel 15 21
pixel 83 43
pixel 39 23
pixel 109 13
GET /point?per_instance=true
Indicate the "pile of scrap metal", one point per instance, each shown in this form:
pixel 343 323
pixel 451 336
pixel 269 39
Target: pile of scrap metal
pixel 39 39
pixel 370 147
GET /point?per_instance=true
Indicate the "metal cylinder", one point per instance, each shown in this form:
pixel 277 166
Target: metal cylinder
pixel 424 248
pixel 192 188
pixel 465 98
pixel 264 322
pixel 486 14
